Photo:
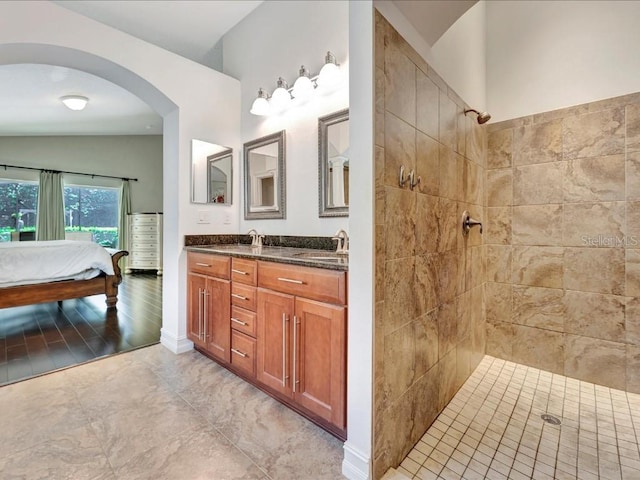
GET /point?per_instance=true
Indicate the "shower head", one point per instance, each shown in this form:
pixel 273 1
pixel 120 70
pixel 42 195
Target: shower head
pixel 482 117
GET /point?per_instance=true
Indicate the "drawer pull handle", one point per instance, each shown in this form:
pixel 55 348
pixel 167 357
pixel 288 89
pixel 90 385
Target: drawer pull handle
pixel 203 264
pixel 289 280
pixel 238 352
pixel 235 295
pixel 239 321
pixel 239 271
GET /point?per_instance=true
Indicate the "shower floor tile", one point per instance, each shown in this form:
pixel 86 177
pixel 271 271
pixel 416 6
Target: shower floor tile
pixel 493 429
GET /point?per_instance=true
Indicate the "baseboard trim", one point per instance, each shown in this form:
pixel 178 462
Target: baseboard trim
pixel 356 465
pixel 176 345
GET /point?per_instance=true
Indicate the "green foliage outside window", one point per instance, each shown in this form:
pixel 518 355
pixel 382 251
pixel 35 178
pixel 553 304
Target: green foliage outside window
pixel 86 209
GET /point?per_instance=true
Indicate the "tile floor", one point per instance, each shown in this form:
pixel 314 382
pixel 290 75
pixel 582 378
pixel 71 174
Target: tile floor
pixel 493 429
pixel 149 414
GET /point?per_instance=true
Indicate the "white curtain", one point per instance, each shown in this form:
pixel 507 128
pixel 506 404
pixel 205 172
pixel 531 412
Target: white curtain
pixel 123 219
pixel 50 215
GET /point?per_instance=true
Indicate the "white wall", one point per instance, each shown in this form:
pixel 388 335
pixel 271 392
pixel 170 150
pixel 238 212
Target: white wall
pixel 358 447
pixel 195 102
pixel 132 156
pixel 274 40
pixel 458 56
pixel 547 55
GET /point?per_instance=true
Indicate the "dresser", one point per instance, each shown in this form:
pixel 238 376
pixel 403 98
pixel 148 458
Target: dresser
pixel 145 242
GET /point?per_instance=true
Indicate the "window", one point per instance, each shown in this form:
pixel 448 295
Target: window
pixel 87 209
pixel 92 209
pixel 18 203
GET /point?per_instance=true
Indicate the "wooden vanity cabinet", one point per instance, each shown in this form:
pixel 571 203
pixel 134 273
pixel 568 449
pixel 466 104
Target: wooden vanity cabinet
pixel 243 315
pixel 208 292
pixel 281 327
pixel 301 340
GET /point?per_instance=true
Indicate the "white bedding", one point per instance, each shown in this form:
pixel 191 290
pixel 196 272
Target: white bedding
pixel 24 263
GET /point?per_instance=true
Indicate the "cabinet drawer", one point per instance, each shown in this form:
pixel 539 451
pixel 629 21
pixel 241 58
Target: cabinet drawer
pixel 207 264
pixel 144 219
pixel 137 255
pixel 243 320
pixel 243 296
pixel 145 238
pixel 243 352
pixel 314 283
pixel 134 262
pixel 142 228
pixel 143 253
pixel 244 271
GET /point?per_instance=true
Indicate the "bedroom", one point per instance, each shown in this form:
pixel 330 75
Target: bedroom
pixel 119 137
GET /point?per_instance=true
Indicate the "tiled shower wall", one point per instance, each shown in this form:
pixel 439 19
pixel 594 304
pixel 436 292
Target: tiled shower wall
pixel 563 242
pixel 430 327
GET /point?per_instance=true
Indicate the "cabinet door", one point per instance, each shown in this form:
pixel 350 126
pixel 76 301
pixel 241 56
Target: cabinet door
pixel 196 286
pixel 217 318
pixel 319 354
pixel 275 311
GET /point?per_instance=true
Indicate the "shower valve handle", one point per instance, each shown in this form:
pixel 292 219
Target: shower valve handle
pixel 468 222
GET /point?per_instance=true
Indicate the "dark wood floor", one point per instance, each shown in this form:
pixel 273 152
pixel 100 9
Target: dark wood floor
pixel 37 339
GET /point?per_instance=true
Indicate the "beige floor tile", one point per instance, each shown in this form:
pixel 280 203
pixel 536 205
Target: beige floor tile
pixel 496 419
pixel 152 414
pixel 195 454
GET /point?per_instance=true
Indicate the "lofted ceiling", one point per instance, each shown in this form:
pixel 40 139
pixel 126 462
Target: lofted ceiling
pixel 433 17
pixel 29 94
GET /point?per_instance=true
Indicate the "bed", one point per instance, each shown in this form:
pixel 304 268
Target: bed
pixel 41 272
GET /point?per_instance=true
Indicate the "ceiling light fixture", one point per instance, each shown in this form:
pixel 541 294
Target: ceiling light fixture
pixel 75 102
pixel 283 97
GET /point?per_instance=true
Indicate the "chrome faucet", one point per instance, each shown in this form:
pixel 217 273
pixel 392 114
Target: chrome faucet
pixel 342 248
pixel 256 238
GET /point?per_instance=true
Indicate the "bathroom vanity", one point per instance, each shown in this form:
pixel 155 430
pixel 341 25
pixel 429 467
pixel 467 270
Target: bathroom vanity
pixel 277 317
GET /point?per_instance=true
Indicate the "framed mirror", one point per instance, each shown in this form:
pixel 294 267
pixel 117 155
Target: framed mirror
pixel 211 173
pixel 264 177
pixel 333 164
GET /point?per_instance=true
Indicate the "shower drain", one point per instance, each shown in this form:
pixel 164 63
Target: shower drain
pixel 550 419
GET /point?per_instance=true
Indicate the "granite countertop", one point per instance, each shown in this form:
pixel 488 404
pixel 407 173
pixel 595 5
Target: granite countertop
pixel 308 257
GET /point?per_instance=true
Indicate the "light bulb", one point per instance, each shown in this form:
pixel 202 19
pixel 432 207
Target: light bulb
pixel 330 75
pixel 303 88
pixel 74 102
pixel 260 105
pixel 280 98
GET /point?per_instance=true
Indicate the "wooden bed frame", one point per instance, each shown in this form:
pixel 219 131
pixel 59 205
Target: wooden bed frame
pixel 66 289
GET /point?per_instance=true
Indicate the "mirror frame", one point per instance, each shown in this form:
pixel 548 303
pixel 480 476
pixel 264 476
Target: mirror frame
pixel 278 138
pixel 323 170
pixel 211 159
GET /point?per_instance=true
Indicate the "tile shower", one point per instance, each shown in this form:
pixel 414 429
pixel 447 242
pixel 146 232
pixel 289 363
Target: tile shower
pixel 430 326
pixel 554 282
pixel 563 242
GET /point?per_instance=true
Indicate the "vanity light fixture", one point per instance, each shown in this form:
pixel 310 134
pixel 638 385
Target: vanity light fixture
pixel 260 105
pixel 280 98
pixel 303 88
pixel 74 102
pixel 329 76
